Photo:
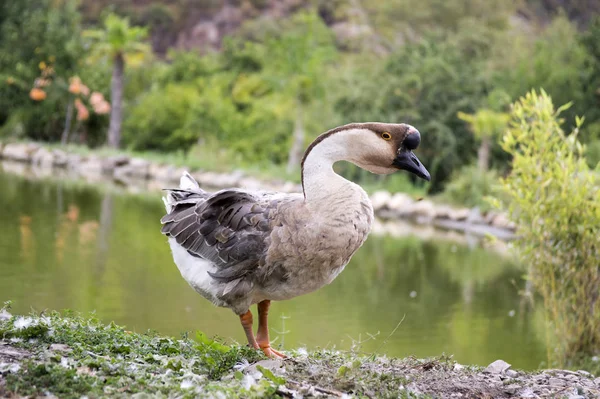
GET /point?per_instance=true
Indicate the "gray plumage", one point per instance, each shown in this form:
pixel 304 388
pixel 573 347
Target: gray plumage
pixel 238 248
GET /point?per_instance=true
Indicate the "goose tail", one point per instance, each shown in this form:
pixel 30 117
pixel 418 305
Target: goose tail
pixel 189 191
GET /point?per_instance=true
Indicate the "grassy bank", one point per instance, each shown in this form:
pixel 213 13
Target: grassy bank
pixel 69 356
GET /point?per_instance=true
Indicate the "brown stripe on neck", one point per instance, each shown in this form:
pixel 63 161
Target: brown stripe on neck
pixel 329 133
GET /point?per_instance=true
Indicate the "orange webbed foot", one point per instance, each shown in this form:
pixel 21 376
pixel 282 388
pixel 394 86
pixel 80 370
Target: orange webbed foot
pixel 272 353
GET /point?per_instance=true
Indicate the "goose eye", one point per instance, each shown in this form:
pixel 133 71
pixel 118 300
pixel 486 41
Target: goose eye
pixel 386 136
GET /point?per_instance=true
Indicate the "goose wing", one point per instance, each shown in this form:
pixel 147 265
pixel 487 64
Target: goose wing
pixel 229 228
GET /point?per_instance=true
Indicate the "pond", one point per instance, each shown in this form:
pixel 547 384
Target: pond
pixel 66 244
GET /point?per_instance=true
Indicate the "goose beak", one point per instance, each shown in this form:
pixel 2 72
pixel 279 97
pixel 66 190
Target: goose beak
pixel 408 161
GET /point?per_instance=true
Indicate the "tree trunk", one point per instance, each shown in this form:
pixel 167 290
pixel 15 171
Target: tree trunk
pixel 64 139
pixel 296 152
pixel 116 94
pixel 483 154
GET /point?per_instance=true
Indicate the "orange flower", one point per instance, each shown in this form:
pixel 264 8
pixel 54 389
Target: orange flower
pixel 75 85
pixel 82 112
pixel 96 98
pixel 37 94
pixel 85 90
pixel 102 108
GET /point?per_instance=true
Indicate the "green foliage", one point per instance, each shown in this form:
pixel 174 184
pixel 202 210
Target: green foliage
pixel 36 35
pixel 554 60
pixel 427 63
pixel 553 197
pixel 485 122
pixel 157 121
pixel 426 84
pixel 118 37
pixel 101 358
pixel 470 186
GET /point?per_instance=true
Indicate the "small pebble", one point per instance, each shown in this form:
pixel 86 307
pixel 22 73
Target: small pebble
pixel 511 373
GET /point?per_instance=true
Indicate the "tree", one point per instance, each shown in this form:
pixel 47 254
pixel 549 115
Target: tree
pixel 36 37
pixel 295 67
pixel 122 44
pixel 485 124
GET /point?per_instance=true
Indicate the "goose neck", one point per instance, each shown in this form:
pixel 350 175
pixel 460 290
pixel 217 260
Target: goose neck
pixel 319 180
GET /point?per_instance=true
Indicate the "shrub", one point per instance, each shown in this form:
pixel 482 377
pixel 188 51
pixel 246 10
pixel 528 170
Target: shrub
pixel 553 197
pixel 157 121
pixel 470 186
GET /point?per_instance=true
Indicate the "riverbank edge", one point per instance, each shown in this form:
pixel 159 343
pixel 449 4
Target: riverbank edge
pixel 66 356
pixel 129 170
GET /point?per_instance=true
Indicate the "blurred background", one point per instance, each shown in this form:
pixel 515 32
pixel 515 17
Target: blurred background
pixel 227 85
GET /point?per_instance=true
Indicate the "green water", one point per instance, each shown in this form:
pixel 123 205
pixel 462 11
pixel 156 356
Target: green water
pixel 70 245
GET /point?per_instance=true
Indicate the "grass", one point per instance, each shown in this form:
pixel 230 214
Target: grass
pixel 71 356
pixel 107 359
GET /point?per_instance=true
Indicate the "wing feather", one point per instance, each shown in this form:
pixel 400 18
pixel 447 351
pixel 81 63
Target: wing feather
pixel 229 228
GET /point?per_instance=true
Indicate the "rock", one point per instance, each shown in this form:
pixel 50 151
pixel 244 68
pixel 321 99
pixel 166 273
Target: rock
pixel 380 199
pixel 90 167
pixel 424 208
pixel 556 382
pixel 597 382
pixel 459 214
pixel 43 158
pixel 584 373
pixel 289 187
pixel 137 167
pixel 511 373
pixel 21 152
pixel 60 158
pixel 251 183
pixel 501 221
pixel 401 204
pixel 443 211
pixel 526 393
pixel 74 160
pixel 497 367
pixel 489 217
pixel 164 173
pixel 112 162
pixel 60 348
pixel 511 389
pixel 475 217
pixel 218 180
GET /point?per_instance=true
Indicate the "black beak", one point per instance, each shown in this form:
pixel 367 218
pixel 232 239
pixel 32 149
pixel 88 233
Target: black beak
pixel 408 161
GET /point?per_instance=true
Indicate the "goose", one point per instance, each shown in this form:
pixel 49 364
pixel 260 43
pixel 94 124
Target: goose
pixel 238 247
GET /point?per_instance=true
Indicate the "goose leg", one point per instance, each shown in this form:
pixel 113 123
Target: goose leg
pixel 262 337
pixel 246 320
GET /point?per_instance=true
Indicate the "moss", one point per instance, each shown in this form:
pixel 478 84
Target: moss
pixel 36 379
pixel 107 359
pixel 99 360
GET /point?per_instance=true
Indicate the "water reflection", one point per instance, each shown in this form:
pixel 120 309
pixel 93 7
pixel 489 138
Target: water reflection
pixel 68 245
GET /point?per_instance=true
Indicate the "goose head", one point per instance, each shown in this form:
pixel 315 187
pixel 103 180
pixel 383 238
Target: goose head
pixel 380 148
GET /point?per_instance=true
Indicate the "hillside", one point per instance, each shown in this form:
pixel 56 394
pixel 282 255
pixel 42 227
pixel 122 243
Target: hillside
pixel 202 24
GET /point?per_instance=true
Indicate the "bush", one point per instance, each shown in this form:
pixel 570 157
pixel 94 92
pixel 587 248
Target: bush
pixel 470 186
pixel 157 121
pixel 553 197
pixel 37 35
